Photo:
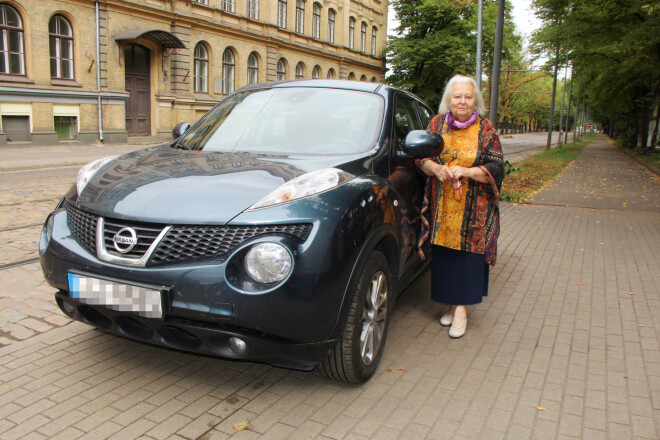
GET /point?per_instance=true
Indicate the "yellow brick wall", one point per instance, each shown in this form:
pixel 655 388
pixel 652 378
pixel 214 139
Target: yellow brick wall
pixel 209 24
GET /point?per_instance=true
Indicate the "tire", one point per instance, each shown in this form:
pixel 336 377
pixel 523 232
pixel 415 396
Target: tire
pixel 356 356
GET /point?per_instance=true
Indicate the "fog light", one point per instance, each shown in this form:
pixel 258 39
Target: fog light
pixel 268 263
pixel 68 308
pixel 237 345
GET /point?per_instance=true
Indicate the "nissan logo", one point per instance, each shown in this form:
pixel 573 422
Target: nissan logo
pixel 125 240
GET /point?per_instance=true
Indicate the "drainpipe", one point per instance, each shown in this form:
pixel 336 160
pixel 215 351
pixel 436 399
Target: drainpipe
pixel 98 71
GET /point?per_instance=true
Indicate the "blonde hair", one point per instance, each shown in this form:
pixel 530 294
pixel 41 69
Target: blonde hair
pixel 446 95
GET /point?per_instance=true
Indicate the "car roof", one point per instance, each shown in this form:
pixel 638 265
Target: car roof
pixel 325 83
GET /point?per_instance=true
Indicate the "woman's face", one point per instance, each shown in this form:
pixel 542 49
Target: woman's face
pixel 462 102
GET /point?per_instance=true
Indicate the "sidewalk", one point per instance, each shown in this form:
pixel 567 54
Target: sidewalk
pixel 566 346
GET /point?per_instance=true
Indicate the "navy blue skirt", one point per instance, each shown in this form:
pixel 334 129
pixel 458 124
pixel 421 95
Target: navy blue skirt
pixel 458 277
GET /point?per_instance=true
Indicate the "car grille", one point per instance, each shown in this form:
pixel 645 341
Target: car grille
pixel 181 243
pixel 83 226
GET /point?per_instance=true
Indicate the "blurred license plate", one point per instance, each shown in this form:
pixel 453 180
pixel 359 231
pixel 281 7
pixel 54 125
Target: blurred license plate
pixel 121 297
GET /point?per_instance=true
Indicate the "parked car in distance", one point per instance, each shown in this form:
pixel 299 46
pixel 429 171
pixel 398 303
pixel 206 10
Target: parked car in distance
pixel 279 228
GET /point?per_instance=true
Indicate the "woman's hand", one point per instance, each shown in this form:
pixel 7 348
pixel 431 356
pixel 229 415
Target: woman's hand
pixel 443 173
pixel 474 173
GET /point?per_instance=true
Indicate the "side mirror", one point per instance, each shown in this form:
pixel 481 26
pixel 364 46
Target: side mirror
pixel 180 129
pixel 420 144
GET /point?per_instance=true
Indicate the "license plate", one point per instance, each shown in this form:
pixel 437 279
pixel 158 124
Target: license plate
pixel 117 296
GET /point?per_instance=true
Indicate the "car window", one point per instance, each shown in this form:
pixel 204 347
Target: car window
pixel 425 114
pixel 292 120
pixel 405 119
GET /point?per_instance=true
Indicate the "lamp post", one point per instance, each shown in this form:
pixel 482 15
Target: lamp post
pixel 552 101
pixel 497 60
pixel 480 17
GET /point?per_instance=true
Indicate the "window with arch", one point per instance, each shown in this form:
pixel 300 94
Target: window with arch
pixel 253 69
pixel 351 76
pixel 253 9
pixel 61 48
pixel 316 72
pixel 351 32
pixel 281 70
pixel 229 5
pixel 300 70
pixel 201 68
pixel 281 14
pixel 228 68
pixel 300 16
pixel 12 55
pixel 331 74
pixel 331 25
pixel 374 34
pixel 363 37
pixel 363 78
pixel 316 21
pixel 373 79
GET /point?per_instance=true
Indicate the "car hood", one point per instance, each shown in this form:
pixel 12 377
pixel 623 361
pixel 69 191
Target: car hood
pixel 165 185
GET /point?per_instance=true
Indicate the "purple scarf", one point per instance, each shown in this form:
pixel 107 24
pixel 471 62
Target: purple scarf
pixel 456 125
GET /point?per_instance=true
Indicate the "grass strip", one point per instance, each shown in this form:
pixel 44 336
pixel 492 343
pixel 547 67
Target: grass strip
pixel 537 171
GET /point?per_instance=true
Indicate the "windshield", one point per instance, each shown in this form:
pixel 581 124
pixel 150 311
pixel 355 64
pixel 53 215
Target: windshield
pixel 290 121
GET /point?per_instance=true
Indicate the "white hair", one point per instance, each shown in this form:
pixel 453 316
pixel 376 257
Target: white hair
pixel 446 95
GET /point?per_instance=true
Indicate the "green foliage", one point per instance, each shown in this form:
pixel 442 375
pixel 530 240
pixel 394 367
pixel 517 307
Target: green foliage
pixel 614 49
pixel 437 39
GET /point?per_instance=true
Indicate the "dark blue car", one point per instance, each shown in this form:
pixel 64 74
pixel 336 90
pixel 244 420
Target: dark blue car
pixel 279 228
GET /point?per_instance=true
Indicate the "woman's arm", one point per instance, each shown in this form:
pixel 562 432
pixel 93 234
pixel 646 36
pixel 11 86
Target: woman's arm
pixel 432 168
pixel 474 173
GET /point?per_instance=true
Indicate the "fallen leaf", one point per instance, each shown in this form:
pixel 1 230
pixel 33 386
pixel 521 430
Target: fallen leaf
pixel 631 293
pixel 389 370
pixel 641 325
pixel 540 408
pixel 242 426
pixel 400 369
pixel 580 284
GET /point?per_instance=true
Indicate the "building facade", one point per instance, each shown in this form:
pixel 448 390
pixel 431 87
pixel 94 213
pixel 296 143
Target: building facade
pixel 84 71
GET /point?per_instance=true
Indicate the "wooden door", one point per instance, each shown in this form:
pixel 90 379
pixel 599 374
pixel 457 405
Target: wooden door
pixel 138 106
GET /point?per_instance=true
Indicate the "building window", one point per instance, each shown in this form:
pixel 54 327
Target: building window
pixel 316 21
pixel 373 80
pixel 351 32
pixel 61 48
pixel 331 74
pixel 331 25
pixel 281 14
pixel 201 2
pixel 281 70
pixel 300 16
pixel 253 9
pixel 351 76
pixel 374 33
pixel 363 37
pixel 229 5
pixel 253 69
pixel 201 68
pixel 316 72
pixel 300 67
pixel 65 126
pixel 228 66
pixel 12 57
pixel 363 78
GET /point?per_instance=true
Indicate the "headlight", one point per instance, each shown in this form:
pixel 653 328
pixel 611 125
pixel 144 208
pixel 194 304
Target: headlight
pixel 268 263
pixel 46 234
pixel 305 185
pixel 87 171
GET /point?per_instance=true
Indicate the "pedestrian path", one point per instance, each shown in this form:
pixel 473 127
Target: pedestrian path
pixel 566 346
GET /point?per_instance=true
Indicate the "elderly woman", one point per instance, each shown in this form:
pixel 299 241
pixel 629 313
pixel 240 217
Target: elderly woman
pixel 460 215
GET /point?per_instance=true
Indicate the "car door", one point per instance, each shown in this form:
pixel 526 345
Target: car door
pixel 406 180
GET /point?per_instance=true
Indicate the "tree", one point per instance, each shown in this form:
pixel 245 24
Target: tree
pixel 437 39
pixel 615 51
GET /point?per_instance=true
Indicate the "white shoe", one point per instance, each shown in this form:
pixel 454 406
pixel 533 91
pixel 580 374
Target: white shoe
pixel 446 320
pixel 455 332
